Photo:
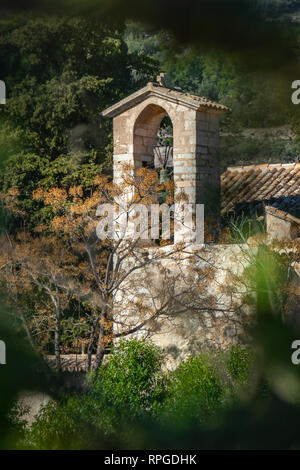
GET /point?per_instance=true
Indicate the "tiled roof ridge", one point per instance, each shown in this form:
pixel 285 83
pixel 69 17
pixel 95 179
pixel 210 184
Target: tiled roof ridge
pixel 277 184
pixel 263 165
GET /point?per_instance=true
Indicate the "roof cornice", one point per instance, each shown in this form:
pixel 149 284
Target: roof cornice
pixel 168 94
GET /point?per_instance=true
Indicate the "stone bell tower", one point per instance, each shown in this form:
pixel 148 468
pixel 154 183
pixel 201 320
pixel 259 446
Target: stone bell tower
pixel 195 121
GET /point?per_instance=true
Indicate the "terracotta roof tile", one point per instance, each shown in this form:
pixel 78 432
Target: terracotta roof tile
pixel 254 186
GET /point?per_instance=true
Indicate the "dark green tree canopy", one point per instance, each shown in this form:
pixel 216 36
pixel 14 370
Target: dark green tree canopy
pixel 60 73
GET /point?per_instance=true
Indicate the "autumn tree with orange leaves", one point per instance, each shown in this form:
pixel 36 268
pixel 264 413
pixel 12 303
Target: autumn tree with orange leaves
pixel 67 260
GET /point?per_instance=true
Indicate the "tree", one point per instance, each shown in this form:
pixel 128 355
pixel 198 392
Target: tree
pixel 38 274
pixel 60 73
pixel 113 269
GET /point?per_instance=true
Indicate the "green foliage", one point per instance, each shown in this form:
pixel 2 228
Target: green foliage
pixel 131 380
pixel 131 392
pixel 194 392
pixel 257 100
pixel 60 73
pixel 23 371
pixel 125 390
pixel 142 39
pixel 238 149
pixel 266 278
pixel 64 425
pixel 240 363
pixel 203 404
pixel 10 141
pixel 245 226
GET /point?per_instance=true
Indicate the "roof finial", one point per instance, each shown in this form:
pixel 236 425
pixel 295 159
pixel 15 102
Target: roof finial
pixel 161 79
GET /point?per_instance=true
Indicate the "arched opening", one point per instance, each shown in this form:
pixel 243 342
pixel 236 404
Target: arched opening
pixel 153 143
pixel 153 149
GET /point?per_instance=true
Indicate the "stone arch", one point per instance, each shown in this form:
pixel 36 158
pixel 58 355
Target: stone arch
pixel 145 134
pixel 152 152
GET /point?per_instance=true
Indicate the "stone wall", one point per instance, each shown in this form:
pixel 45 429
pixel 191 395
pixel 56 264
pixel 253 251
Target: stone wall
pixel 281 225
pixel 178 332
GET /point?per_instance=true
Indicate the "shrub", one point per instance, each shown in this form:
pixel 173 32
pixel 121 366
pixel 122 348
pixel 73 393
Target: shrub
pixel 240 362
pixel 130 402
pixel 194 391
pixel 132 380
pixel 66 424
pixel 121 393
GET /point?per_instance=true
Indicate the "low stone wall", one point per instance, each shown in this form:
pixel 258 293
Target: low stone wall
pixel 193 332
pixel 183 332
